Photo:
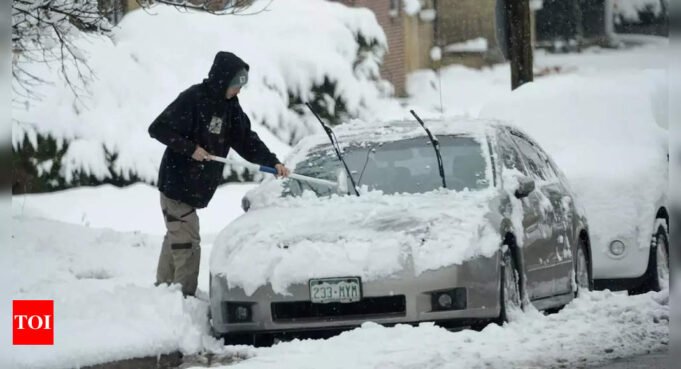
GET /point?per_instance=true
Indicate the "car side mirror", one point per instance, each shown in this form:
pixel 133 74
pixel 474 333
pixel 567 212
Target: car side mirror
pixel 525 187
pixel 245 203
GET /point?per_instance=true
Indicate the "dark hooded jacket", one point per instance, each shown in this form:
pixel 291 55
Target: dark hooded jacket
pixel 202 116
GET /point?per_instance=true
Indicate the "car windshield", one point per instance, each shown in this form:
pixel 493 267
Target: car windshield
pixel 404 166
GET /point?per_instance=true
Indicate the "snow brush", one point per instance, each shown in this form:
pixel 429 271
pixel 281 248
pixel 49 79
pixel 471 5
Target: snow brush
pixel 340 185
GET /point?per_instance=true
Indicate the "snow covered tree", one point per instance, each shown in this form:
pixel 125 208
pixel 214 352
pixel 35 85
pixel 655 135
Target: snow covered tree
pixel 60 140
pixel 45 30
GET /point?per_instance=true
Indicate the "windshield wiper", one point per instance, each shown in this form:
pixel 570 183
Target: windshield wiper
pixel 336 147
pixel 436 146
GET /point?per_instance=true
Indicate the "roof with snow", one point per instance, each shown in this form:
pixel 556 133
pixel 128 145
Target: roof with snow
pixel 362 131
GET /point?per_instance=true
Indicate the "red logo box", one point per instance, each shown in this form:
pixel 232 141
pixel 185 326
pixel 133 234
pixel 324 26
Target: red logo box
pixel 33 322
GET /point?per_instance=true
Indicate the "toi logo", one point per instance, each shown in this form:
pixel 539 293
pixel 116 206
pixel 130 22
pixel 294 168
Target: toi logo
pixel 32 322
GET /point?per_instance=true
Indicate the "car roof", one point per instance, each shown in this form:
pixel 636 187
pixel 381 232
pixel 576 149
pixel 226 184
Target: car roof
pixel 358 131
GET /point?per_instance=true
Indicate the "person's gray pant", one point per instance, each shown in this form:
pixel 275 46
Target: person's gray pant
pixel 181 251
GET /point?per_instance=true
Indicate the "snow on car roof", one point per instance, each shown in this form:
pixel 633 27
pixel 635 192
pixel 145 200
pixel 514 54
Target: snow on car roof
pixel 358 132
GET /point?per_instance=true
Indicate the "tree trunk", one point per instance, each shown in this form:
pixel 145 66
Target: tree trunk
pixel 519 42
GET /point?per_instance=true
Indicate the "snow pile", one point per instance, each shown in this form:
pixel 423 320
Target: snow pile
pixel 412 7
pixel 373 236
pixel 151 58
pixel 605 139
pixel 476 45
pixel 464 90
pixel 629 10
pixel 591 330
pixel 428 15
pixel 139 205
pixel 536 4
pixel 436 53
pixel 106 307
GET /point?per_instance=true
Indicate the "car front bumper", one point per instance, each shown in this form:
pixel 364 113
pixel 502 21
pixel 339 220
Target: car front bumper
pixel 404 298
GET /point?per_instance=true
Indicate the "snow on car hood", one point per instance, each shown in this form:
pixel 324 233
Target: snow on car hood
pixel 373 236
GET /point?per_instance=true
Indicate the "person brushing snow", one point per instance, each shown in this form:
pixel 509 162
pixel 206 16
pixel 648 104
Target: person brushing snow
pixel 204 120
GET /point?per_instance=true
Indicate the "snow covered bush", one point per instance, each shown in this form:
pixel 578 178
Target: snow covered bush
pixel 299 51
pixel 639 11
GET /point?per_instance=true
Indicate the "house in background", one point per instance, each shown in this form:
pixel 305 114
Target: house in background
pixel 650 17
pixel 465 32
pixel 410 36
pixel 115 10
pixel 419 37
pixel 389 14
pixel 563 25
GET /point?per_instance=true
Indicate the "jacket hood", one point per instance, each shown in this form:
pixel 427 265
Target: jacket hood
pixel 225 66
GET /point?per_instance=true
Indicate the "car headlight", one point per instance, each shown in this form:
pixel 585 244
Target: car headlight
pixel 617 248
pixel 454 299
pixel 237 312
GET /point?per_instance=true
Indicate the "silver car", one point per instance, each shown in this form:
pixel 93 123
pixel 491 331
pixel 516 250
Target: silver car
pixel 539 254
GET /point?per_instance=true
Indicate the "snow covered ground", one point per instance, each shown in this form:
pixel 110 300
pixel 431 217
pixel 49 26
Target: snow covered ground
pixel 134 208
pixel 95 254
pixel 106 308
pixel 465 90
pixel 595 328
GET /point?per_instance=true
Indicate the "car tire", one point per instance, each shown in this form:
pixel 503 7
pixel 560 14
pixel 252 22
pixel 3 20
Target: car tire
pixel 659 254
pixel 583 279
pixel 510 292
pixel 657 274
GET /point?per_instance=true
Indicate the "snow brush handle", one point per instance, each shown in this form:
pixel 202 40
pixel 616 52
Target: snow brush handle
pixel 266 169
pixel 260 168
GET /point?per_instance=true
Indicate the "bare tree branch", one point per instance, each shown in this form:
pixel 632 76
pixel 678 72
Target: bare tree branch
pixel 46 32
pixel 217 7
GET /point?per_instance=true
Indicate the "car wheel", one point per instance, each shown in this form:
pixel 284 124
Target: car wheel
pixel 511 301
pixel 657 275
pixel 583 281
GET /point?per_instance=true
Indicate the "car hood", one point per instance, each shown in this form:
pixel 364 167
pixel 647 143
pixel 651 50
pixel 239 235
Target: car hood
pixel 373 236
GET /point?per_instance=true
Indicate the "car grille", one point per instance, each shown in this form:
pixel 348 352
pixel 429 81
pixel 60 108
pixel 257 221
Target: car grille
pixel 368 306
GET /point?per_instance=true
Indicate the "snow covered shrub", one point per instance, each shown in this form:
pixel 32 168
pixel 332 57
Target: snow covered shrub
pixel 640 11
pixel 299 51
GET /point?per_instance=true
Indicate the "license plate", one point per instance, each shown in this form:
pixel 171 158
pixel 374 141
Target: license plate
pixel 326 290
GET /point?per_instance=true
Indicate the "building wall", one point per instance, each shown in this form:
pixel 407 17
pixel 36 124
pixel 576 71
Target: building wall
pixel 131 5
pixel 418 41
pixel 463 20
pixel 583 21
pixel 393 68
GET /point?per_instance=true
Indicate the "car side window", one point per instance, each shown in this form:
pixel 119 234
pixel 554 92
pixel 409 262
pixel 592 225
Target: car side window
pixel 509 154
pixel 548 164
pixel 537 162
